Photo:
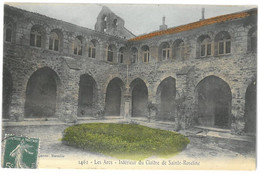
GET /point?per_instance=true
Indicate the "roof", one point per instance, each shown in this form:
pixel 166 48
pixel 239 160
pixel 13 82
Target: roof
pixel 197 24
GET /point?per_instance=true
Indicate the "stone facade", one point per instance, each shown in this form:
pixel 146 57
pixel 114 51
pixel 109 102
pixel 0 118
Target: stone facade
pixel 205 67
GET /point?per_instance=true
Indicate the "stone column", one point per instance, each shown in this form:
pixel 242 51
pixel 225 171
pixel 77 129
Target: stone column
pixel 127 98
pixel 69 97
pixel 237 111
pixel 17 107
pixel 181 102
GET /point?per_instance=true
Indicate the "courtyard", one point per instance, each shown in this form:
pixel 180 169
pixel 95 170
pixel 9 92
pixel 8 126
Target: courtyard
pixel 54 154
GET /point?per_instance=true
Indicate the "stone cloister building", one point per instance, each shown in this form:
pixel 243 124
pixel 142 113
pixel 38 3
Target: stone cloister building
pixel 198 74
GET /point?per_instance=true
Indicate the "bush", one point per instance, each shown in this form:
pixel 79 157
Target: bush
pixel 130 141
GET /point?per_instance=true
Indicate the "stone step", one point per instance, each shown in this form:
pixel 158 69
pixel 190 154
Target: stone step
pixel 204 128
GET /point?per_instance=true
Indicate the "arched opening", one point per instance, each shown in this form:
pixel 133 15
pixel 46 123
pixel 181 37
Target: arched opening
pixel 145 53
pixel 139 98
pixel 104 23
pixel 92 48
pixel 204 47
pixel 8 29
pixel 250 108
pixel 41 94
pixel 111 52
pixel 134 55
pixel 252 40
pixel 214 102
pixel 55 40
pixel 164 51
pixel 222 43
pixel 87 100
pixel 37 36
pixel 7 93
pixel 121 54
pixel 113 97
pixel 115 23
pixel 166 93
pixel 178 50
pixel 78 45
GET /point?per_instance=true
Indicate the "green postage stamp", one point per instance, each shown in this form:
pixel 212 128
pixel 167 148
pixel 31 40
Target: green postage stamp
pixel 20 152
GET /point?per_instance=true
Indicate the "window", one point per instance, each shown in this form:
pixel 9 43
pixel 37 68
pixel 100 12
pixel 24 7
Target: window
pixel 146 53
pixel 165 51
pixel 36 37
pixel 77 50
pixel 223 43
pixel 121 58
pixel 54 41
pixel 134 55
pixel 110 53
pixel 121 55
pixel 92 50
pixel 179 50
pixel 205 48
pixel 115 23
pixel 104 23
pixel 8 35
pixel 8 30
pixel 252 39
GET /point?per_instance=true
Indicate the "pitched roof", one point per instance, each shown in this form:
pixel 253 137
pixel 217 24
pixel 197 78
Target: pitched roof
pixel 197 24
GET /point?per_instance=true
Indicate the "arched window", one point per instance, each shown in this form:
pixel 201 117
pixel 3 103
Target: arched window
pixel 110 53
pixel 54 41
pixel 121 55
pixel 37 36
pixel 223 43
pixel 179 49
pixel 252 39
pixel 77 49
pixel 134 55
pixel 8 30
pixel 92 49
pixel 146 53
pixel 104 23
pixel 115 23
pixel 164 51
pixel 204 46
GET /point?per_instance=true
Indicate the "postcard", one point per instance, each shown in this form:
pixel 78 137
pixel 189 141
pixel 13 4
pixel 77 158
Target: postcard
pixel 129 86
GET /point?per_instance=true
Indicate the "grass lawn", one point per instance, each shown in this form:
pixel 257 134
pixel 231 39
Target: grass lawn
pixel 125 141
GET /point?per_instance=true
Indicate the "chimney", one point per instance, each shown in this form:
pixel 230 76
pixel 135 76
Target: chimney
pixel 163 26
pixel 202 14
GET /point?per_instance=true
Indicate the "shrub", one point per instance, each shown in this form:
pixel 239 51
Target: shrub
pixel 130 141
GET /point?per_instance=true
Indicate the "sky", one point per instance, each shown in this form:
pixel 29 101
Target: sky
pixel 139 19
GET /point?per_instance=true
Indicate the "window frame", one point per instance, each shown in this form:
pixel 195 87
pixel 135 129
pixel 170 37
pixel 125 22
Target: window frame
pixel 36 38
pixel 78 46
pixel 167 53
pixel 224 42
pixel 206 42
pixel 54 41
pixel 92 51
